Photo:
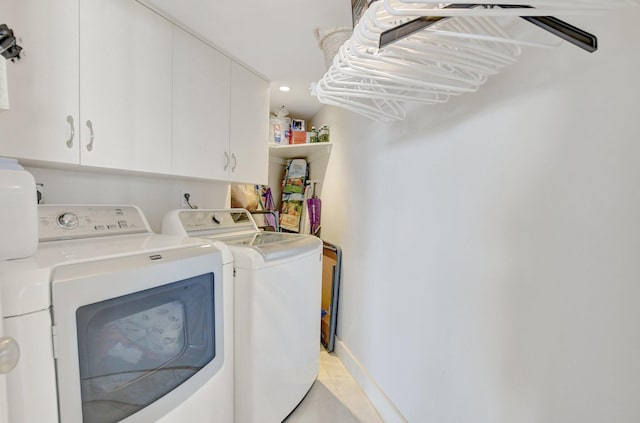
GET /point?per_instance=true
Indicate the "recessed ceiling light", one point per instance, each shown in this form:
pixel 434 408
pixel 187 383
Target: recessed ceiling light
pixel 285 89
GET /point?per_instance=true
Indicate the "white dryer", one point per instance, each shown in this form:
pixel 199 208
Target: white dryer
pixel 277 297
pixel 116 323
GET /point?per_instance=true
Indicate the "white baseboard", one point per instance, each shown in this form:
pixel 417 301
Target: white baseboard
pixel 380 401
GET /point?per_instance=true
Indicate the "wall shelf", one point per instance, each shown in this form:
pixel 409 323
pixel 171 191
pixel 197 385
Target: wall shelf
pixel 316 154
pixel 282 153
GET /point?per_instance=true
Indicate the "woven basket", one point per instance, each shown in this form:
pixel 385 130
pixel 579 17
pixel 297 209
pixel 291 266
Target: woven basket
pixel 330 41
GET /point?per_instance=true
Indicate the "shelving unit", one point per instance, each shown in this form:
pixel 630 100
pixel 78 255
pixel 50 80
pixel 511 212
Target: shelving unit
pixel 281 153
pixel 316 154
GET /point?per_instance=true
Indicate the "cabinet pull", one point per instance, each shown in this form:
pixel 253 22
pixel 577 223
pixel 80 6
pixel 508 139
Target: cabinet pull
pixel 235 162
pixel 91 136
pixel 72 133
pixel 226 160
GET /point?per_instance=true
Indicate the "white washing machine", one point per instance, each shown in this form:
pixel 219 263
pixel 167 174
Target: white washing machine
pixel 277 297
pixel 116 323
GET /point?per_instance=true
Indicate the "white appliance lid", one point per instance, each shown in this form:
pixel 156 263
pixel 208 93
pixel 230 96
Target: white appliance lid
pixel 237 229
pixel 274 245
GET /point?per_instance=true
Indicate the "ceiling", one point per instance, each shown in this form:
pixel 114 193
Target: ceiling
pixel 276 38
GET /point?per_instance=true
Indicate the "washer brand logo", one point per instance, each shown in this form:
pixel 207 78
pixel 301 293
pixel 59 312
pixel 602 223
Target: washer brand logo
pixel 155 257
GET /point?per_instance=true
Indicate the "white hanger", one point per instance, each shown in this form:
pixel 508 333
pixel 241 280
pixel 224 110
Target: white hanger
pixel 415 77
pixel 384 111
pixel 367 33
pixel 476 37
pixel 346 72
pixel 427 9
pixel 477 27
pixel 604 4
pixel 339 81
pixel 374 96
pixel 544 8
pixel 450 57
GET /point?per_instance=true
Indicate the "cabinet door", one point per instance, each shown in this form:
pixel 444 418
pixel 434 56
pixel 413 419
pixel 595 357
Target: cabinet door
pixel 43 85
pixel 125 86
pixel 201 78
pixel 249 126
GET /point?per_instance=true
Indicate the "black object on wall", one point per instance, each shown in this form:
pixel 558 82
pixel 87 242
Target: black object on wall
pixel 9 48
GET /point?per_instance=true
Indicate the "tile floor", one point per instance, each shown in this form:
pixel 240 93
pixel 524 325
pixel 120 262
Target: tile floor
pixel 334 397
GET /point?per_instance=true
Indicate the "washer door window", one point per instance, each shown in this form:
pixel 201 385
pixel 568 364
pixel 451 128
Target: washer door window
pixel 134 349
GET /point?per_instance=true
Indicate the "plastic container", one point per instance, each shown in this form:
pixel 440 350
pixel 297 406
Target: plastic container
pixel 18 211
pixel 314 135
pixel 323 134
pixel 330 41
pixel 279 130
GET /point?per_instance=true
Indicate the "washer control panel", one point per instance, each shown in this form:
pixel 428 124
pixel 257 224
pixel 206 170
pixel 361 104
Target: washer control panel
pixel 217 221
pixel 71 221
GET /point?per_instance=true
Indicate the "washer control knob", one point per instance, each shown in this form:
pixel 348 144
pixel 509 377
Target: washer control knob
pixel 68 221
pixel 216 218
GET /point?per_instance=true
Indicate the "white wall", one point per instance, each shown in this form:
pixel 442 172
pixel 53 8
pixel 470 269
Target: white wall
pixel 491 269
pixel 155 195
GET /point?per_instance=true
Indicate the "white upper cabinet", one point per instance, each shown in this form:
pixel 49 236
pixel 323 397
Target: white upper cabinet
pixel 249 126
pixel 125 86
pixel 201 87
pixel 113 68
pixel 42 122
pixel 111 84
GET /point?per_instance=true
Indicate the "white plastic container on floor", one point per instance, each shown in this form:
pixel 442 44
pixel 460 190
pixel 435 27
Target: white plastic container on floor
pixel 18 211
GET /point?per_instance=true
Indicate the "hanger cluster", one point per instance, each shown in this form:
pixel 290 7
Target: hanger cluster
pixel 412 51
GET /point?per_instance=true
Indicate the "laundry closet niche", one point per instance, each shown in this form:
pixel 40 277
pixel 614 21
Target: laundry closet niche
pixel 317 157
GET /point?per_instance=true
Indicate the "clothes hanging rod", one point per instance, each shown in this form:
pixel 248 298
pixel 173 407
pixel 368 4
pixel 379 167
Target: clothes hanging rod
pixel 555 26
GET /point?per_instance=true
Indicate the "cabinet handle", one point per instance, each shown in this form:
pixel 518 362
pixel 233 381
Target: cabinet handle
pixel 9 354
pixel 226 160
pixel 235 162
pixel 91 136
pixel 73 131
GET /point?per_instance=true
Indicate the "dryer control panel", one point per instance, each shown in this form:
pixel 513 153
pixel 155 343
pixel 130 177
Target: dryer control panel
pixel 75 221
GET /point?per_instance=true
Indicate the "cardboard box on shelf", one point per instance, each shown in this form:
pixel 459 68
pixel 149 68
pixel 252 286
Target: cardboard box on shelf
pixel 298 137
